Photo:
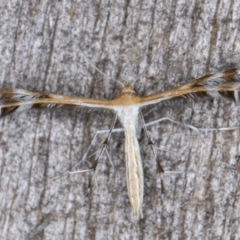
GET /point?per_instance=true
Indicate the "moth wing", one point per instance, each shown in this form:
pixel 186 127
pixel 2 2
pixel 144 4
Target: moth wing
pixel 17 100
pixel 225 84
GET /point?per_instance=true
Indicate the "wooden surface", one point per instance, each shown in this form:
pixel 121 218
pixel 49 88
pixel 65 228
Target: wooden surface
pixel 54 46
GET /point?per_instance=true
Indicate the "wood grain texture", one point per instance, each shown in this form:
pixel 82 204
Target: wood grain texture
pixel 44 46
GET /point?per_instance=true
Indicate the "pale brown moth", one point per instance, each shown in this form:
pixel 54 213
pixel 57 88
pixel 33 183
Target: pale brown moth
pixel 127 107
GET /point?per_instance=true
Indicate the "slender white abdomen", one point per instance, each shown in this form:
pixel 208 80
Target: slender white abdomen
pixel 134 173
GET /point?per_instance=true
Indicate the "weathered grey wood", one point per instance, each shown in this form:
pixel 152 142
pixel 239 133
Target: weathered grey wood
pixel 42 48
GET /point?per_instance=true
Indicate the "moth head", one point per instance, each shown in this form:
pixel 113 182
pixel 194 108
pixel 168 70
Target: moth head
pixel 128 89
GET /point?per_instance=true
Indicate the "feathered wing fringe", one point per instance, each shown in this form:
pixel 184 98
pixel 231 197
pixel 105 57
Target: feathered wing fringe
pixel 227 84
pixel 18 100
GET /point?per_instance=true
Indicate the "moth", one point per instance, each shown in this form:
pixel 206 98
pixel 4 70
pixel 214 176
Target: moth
pixel 127 107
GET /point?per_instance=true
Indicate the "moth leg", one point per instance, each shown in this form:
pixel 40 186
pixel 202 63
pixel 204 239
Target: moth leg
pixel 85 156
pixel 94 165
pixel 160 169
pixel 150 143
pixel 173 121
pixel 189 125
pixel 103 148
pixel 198 130
pixel 93 168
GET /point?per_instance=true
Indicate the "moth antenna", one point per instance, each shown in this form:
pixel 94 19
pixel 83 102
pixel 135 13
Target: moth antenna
pixel 144 71
pixel 94 67
pixel 120 83
pixel 98 70
pixel 147 68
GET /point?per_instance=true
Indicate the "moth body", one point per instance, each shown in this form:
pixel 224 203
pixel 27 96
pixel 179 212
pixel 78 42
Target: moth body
pixel 129 117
